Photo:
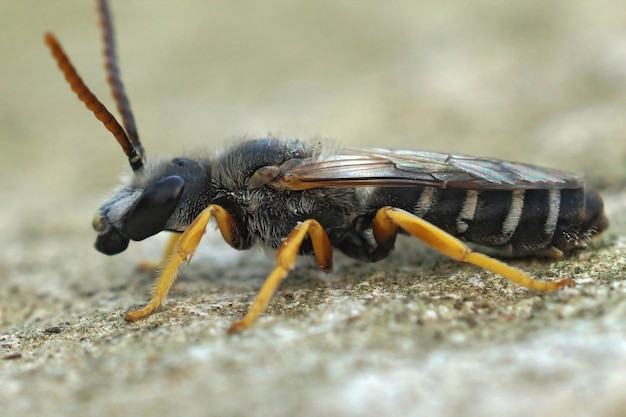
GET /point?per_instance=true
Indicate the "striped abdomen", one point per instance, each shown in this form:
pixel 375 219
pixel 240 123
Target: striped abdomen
pixel 519 222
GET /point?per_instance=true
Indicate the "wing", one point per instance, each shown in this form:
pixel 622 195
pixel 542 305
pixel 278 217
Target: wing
pixel 389 168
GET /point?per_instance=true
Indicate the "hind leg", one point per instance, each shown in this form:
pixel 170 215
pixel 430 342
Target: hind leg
pixel 388 219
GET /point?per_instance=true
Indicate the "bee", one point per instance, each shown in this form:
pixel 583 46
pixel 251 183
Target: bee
pixel 302 198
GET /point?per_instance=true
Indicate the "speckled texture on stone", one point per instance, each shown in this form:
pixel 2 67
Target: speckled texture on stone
pixel 417 334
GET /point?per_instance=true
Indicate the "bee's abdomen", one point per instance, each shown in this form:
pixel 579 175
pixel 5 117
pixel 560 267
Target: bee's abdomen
pixel 520 222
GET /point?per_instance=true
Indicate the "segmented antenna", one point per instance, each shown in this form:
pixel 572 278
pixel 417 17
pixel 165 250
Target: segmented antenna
pixel 91 101
pixel 114 79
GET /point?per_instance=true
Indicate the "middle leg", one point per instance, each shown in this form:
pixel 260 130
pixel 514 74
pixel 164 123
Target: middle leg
pixel 285 261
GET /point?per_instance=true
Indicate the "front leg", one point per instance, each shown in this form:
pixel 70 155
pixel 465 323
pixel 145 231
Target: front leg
pixel 170 247
pixel 184 250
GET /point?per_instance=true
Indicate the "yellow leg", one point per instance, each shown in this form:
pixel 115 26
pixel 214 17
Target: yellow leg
pixel 285 261
pixel 182 252
pixel 167 253
pixel 388 219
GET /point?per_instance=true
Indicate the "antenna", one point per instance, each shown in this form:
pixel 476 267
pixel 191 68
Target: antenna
pixel 91 101
pixel 114 79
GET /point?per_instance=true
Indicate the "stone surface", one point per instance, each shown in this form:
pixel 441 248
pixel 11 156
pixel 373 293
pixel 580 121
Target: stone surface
pixel 416 334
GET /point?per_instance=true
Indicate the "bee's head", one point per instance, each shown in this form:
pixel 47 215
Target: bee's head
pixel 164 196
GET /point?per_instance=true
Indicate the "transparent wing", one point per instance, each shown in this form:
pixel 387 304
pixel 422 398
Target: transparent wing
pixel 389 168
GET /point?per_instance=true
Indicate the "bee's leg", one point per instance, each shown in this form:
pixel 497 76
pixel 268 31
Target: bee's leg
pixel 388 219
pixel 285 261
pixel 167 253
pixel 184 250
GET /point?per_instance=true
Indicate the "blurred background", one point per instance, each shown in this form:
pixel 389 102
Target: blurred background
pixel 536 82
pixel 533 81
pixel 540 82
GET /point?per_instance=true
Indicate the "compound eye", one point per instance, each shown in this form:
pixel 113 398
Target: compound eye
pixel 154 208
